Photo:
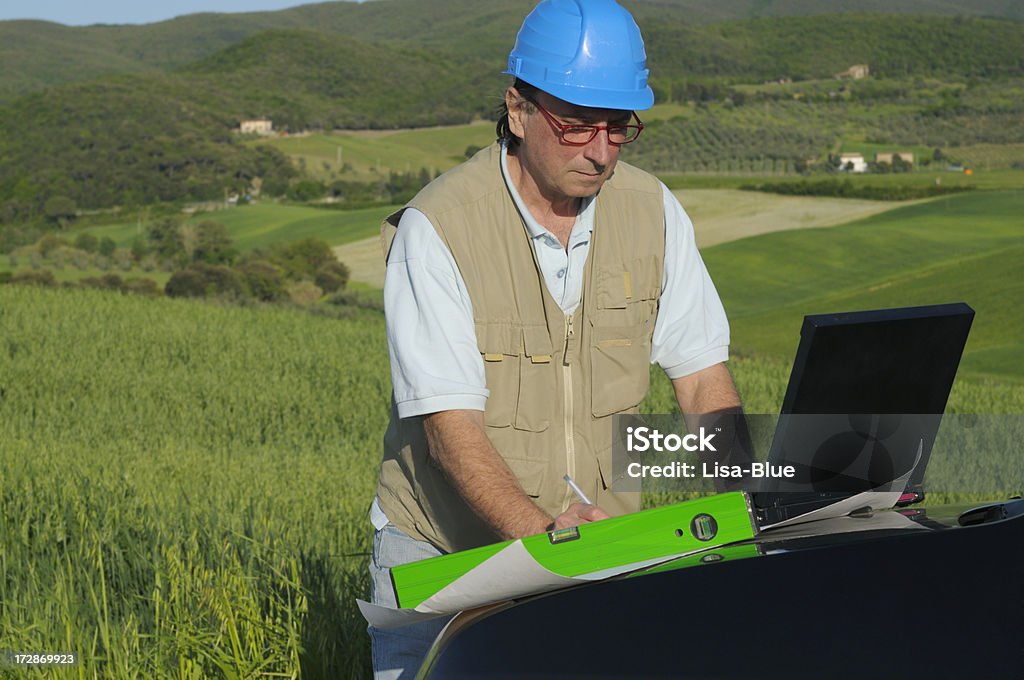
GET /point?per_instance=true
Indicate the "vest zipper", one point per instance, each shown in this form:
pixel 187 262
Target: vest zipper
pixel 570 452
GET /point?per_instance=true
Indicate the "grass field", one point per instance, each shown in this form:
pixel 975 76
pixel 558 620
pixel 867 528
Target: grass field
pixel 993 180
pixel 719 216
pixel 253 226
pixel 965 247
pixel 184 486
pixel 370 154
pixel 72 275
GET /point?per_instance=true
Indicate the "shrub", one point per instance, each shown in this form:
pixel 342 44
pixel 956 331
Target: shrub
pixel 105 282
pixel 87 242
pixel 263 281
pixel 48 244
pixel 203 280
pixel 332 277
pixel 140 248
pixel 43 279
pixel 107 246
pixel 213 243
pixel 306 190
pixel 124 260
pixel 80 260
pixel 362 299
pixel 141 286
pixel 186 283
pixel 300 259
pixel 304 293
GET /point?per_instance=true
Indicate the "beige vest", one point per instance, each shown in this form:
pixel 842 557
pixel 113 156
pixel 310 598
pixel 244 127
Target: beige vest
pixel 554 380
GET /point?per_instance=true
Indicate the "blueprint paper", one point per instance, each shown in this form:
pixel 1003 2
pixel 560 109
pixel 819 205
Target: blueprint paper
pixel 510 574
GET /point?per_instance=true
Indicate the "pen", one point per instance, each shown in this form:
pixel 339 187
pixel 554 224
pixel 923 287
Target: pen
pixel 576 489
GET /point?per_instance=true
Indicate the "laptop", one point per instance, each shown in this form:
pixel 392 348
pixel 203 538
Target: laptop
pixel 864 402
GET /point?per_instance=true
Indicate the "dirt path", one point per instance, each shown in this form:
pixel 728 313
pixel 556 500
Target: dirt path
pixel 719 216
pixel 723 215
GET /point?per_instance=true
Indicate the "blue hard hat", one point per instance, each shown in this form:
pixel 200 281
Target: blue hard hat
pixel 586 52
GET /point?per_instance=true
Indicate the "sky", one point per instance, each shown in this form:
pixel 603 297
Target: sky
pixel 79 13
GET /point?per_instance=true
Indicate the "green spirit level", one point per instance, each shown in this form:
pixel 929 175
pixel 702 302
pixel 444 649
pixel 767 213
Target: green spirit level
pixel 686 527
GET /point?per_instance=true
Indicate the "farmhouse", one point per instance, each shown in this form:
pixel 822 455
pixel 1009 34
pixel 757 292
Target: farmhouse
pixel 855 72
pixel 853 162
pixel 258 126
pixel 905 156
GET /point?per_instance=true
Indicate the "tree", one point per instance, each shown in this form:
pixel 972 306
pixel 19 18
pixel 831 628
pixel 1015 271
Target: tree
pixel 60 209
pixel 332 277
pixel 900 165
pixel 213 243
pixel 263 281
pixel 140 248
pixel 301 258
pixel 87 242
pixel 204 280
pixel 48 244
pixel 107 246
pixel 165 237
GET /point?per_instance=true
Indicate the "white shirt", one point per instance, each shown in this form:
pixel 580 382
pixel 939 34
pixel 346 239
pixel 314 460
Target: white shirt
pixel 435 360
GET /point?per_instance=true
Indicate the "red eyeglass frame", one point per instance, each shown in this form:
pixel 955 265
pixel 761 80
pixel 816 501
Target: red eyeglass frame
pixel 563 128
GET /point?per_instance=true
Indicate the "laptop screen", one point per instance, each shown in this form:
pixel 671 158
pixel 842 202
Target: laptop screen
pixel 865 399
pixel 885 361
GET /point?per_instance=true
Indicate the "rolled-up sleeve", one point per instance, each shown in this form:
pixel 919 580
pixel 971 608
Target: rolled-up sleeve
pixel 691 332
pixel 435 362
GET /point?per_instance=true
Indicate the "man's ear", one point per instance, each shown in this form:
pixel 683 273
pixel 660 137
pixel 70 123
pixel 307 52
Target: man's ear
pixel 516 106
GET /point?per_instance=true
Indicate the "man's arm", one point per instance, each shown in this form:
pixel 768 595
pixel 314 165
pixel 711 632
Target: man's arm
pixel 708 399
pixel 710 390
pixel 458 442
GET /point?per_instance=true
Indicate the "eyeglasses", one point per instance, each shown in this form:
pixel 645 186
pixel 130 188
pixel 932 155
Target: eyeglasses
pixel 581 135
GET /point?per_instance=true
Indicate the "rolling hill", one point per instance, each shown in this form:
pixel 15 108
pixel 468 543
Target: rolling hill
pixel 966 247
pixel 41 54
pixel 163 132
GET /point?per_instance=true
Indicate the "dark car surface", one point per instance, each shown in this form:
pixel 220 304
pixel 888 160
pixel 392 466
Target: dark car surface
pixel 932 600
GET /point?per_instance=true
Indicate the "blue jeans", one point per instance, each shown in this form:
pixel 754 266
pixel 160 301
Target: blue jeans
pixel 398 653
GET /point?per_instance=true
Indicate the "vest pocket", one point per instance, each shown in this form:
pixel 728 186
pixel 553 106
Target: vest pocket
pixel 501 371
pixel 530 474
pixel 620 376
pixel 621 289
pixel 499 349
pixel 536 381
pixel 519 370
pixel 622 482
pixel 626 304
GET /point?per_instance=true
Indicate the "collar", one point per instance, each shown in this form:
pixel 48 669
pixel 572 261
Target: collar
pixel 584 218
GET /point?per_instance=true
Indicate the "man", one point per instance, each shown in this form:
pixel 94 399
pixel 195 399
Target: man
pixel 527 291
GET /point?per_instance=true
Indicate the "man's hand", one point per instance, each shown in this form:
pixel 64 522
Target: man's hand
pixel 579 513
